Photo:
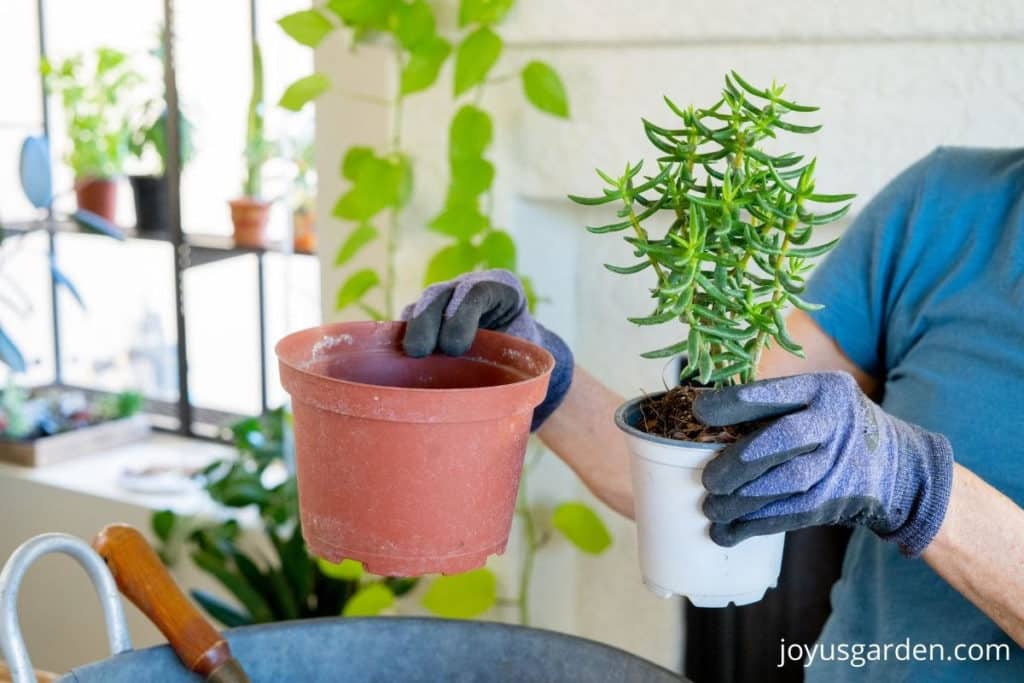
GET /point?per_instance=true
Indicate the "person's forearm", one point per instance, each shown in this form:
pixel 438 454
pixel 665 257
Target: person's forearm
pixel 979 550
pixel 583 434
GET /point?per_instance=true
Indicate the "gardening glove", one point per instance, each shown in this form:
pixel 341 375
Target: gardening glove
pixel 833 456
pixel 448 314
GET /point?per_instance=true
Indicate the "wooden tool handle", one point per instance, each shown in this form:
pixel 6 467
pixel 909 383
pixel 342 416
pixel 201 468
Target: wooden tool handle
pixel 144 580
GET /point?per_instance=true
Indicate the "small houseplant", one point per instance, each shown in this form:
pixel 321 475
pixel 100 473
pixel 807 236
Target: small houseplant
pixel 250 212
pixel 304 198
pixel 93 93
pixel 149 144
pixel 726 226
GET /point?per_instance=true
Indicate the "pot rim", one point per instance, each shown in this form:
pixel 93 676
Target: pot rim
pixel 627 409
pixel 549 364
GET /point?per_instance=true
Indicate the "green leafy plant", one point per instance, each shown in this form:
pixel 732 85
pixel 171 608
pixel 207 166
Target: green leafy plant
pixel 149 133
pixel 93 94
pixel 258 149
pixel 726 227
pixel 380 181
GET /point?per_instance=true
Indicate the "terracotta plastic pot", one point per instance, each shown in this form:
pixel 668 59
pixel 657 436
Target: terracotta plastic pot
pixel 98 195
pixel 410 466
pixel 249 216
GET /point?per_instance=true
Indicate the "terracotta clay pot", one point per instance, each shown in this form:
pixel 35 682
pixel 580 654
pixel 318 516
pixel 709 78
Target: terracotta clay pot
pixel 98 195
pixel 304 231
pixel 410 466
pixel 249 216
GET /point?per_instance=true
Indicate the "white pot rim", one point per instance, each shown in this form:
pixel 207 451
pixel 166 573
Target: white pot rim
pixel 625 419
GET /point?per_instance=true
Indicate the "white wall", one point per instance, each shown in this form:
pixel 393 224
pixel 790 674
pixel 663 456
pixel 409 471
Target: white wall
pixel 893 80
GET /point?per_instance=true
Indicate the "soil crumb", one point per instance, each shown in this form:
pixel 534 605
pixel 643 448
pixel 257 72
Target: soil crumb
pixel 671 415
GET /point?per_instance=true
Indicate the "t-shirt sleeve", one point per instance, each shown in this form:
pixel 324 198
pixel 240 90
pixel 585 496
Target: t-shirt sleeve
pixel 855 282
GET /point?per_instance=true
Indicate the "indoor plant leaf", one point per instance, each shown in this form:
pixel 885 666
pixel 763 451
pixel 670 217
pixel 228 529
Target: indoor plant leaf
pixel 363 14
pixel 474 58
pixel 346 570
pixel 163 522
pixel 498 250
pixel 356 287
pixel 353 161
pixel 581 525
pixel 220 610
pixel 461 221
pixel 414 23
pixel 62 280
pixel 483 11
pixel 369 601
pixel 544 89
pixel 90 222
pixel 304 90
pixel 360 236
pixel 470 133
pixel 308 27
pixel 451 262
pixel 462 596
pixel 424 65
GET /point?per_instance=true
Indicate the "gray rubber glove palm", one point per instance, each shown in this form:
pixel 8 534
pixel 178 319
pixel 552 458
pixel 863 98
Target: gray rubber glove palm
pixel 448 314
pixel 833 456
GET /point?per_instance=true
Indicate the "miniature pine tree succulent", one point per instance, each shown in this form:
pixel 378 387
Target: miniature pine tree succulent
pixel 725 225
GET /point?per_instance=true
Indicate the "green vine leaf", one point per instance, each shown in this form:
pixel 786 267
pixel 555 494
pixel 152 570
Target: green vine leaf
pixel 470 133
pixel 346 570
pixel 380 183
pixel 356 287
pixel 475 57
pixel 461 221
pixel 462 596
pixel 498 250
pixel 483 12
pixel 353 161
pixel 369 601
pixel 450 262
pixel 424 65
pixel 368 15
pixel 414 24
pixel 581 525
pixel 544 89
pixel 470 179
pixel 362 235
pixel 307 27
pixel 301 92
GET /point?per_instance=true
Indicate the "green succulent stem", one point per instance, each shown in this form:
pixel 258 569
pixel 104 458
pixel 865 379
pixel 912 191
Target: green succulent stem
pixel 735 254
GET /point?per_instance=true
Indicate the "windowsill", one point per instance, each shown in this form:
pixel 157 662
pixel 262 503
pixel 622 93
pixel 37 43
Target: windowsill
pixel 100 474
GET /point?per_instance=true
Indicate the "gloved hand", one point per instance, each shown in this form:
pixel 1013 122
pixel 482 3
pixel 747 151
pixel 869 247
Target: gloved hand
pixel 832 457
pixel 448 314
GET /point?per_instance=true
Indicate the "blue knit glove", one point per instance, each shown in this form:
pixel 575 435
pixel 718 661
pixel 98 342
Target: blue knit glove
pixel 832 457
pixel 447 316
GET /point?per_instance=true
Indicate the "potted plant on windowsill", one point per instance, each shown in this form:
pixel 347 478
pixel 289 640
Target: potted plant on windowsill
pixel 725 226
pixel 149 143
pixel 250 212
pixel 304 199
pixel 93 98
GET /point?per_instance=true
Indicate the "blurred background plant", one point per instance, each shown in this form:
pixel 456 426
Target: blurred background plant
pixel 93 90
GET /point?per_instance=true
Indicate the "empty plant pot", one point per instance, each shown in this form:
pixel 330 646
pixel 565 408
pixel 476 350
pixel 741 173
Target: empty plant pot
pixel 410 466
pixel 151 208
pixel 677 556
pixel 249 217
pixel 98 195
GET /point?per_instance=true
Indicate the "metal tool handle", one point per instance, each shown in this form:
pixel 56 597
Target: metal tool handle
pixel 12 644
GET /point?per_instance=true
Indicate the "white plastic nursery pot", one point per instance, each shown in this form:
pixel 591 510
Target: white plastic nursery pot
pixel 677 556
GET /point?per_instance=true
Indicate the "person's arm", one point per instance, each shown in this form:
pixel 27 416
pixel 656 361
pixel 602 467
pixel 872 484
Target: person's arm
pixel 979 550
pixel 583 434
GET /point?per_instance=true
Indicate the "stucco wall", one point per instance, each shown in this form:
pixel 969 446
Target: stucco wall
pixel 893 80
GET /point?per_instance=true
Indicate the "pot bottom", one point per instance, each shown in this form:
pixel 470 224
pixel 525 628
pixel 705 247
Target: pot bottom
pixel 391 565
pixel 712 600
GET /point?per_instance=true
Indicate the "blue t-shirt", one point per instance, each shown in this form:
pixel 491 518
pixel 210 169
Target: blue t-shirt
pixel 926 290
